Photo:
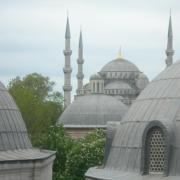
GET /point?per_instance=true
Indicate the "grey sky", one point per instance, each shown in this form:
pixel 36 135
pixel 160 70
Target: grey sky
pixel 32 35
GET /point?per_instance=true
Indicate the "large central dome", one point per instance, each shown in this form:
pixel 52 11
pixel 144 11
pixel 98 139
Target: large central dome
pixel 120 65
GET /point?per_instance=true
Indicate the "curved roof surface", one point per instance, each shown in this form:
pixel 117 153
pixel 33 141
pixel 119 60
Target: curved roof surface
pixel 13 133
pixel 95 76
pixel 120 65
pixel 92 111
pixel 117 85
pixel 160 101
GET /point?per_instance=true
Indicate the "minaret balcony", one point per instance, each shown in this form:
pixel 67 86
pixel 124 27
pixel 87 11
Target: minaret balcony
pixel 169 52
pixel 80 61
pixel 67 52
pixel 80 76
pixel 67 88
pixel 67 70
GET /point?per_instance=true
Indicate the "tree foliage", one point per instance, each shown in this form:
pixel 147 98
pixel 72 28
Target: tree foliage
pixel 39 104
pixel 56 139
pixel 74 156
pixel 86 152
pixel 40 107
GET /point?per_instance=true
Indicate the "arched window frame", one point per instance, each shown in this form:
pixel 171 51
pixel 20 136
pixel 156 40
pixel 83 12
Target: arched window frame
pixel 98 88
pixel 166 133
pixel 93 87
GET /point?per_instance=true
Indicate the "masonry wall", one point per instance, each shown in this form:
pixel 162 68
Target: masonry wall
pixel 27 170
pixel 78 132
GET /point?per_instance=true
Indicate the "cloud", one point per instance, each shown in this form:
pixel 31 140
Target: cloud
pixel 32 35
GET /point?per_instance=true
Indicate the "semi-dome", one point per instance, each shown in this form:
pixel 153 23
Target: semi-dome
pixel 120 65
pixel 146 144
pixel 92 111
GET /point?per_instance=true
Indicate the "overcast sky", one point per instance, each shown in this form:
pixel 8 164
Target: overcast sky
pixel 32 35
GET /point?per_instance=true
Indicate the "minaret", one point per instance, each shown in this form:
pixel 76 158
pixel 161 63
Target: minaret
pixel 169 50
pixel 80 62
pixel 67 69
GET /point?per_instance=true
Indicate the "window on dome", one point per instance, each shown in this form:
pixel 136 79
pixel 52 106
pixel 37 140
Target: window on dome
pixel 93 87
pixel 155 151
pixel 97 87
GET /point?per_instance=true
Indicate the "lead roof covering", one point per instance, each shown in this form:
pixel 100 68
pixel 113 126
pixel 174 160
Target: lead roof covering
pixel 160 101
pixel 13 133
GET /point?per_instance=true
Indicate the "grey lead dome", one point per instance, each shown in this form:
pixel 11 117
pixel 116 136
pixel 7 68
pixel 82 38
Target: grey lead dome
pixel 158 106
pixel 13 133
pixel 120 65
pixel 92 111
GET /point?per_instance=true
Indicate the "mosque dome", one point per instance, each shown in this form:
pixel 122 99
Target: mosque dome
pixel 147 140
pixel 120 69
pixel 120 65
pixel 92 111
pixel 95 77
pixel 13 133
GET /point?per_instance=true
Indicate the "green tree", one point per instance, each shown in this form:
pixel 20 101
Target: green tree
pixel 39 104
pixel 74 156
pixel 86 152
pixel 56 139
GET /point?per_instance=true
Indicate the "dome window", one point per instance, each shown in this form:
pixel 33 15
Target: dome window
pixel 98 87
pixel 93 87
pixel 155 147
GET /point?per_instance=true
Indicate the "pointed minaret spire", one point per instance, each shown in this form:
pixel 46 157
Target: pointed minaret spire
pixel 80 62
pixel 169 50
pixel 67 69
pixel 67 34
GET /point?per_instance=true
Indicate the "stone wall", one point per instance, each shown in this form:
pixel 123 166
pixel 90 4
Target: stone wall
pixel 27 169
pixel 78 132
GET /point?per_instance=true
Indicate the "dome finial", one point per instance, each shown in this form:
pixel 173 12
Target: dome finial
pixel 120 53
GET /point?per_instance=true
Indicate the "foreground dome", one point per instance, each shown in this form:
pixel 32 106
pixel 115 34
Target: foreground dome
pixel 92 111
pixel 18 159
pixel 146 143
pixel 13 133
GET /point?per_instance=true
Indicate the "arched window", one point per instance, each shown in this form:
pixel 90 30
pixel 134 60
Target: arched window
pixel 93 87
pixel 97 87
pixel 155 151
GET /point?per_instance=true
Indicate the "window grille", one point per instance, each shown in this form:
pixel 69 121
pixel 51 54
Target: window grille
pixel 155 151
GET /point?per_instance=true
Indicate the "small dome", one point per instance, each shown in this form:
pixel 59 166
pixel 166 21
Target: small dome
pixel 95 77
pixel 142 81
pixel 92 111
pixel 142 76
pixel 120 65
pixel 13 133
